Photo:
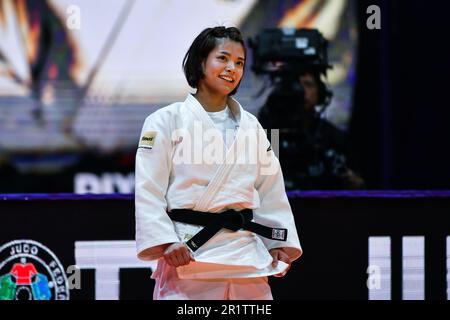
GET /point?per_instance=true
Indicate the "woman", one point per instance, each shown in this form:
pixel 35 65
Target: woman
pixel 217 220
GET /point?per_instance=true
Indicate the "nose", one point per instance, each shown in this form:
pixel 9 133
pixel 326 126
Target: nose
pixel 230 66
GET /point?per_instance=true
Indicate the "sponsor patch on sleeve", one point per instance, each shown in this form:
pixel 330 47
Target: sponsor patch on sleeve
pixel 147 140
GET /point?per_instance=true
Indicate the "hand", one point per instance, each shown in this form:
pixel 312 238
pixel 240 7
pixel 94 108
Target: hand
pixel 278 254
pixel 177 254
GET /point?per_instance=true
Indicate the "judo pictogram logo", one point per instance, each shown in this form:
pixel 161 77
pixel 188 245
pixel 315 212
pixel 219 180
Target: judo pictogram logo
pixel 30 271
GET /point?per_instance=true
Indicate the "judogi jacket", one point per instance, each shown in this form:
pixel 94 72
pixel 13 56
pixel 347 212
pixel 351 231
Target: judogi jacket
pixel 182 162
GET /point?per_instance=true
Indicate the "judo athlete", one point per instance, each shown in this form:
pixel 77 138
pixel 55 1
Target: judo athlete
pixel 210 201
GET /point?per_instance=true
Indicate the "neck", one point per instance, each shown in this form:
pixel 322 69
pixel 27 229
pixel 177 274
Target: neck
pixel 211 102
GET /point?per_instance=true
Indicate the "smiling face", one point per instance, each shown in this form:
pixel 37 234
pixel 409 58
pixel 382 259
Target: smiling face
pixel 223 68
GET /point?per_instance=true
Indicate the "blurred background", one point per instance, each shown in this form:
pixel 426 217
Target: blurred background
pixel 78 78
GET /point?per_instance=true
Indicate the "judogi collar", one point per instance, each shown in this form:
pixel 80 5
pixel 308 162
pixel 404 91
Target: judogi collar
pixel 194 105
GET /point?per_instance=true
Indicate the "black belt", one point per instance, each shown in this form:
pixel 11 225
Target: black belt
pixel 230 219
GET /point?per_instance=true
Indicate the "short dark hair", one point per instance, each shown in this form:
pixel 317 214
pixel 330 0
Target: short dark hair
pixel 199 50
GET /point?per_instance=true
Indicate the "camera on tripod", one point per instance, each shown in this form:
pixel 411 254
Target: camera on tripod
pixel 281 52
pixel 285 55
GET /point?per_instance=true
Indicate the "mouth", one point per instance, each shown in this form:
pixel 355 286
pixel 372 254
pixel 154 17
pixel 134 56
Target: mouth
pixel 226 78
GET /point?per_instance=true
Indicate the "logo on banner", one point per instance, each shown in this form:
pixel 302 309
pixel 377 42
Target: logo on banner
pixel 30 271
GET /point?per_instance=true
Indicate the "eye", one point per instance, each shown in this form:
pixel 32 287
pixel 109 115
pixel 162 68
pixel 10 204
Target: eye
pixel 221 57
pixel 240 63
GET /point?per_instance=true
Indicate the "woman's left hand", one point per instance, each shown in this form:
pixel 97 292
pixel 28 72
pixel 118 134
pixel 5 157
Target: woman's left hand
pixel 278 254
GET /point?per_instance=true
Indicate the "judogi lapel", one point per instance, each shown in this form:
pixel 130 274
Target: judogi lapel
pixel 222 173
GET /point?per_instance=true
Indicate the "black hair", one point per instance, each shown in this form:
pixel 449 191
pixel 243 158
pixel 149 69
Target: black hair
pixel 199 50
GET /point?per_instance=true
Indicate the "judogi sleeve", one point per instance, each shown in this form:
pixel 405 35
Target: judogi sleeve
pixel 275 210
pixel 153 163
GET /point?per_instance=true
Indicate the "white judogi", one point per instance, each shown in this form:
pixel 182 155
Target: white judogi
pixel 163 182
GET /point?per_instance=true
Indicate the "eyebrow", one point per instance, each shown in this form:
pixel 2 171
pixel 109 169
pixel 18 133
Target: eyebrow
pixel 228 54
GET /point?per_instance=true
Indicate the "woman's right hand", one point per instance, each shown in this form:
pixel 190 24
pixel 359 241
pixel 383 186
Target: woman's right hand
pixel 177 254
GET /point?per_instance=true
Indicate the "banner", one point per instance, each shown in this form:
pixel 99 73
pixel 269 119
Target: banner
pixel 357 246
